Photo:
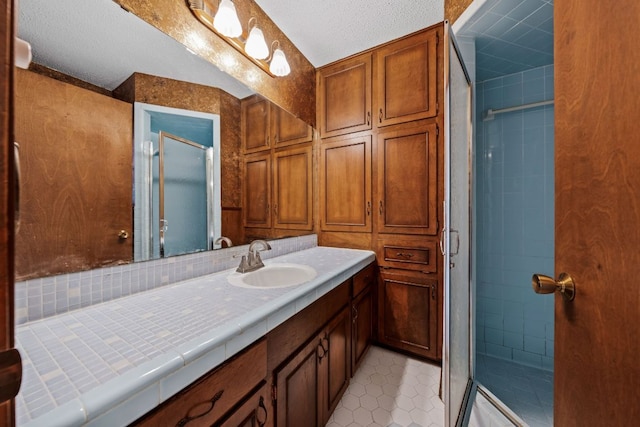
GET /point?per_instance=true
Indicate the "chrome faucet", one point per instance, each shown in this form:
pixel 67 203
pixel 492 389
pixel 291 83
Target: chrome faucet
pixel 221 239
pixel 252 261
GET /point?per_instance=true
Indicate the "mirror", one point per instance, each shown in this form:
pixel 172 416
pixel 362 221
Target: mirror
pixel 98 42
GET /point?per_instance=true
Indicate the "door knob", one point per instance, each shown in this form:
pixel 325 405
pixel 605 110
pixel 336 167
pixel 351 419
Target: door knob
pixel 547 285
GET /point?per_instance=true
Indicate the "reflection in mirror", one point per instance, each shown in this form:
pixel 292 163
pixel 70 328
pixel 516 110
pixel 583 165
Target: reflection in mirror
pixel 73 216
pixel 177 181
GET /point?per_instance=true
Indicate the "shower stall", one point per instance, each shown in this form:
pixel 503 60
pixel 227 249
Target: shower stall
pixel 177 190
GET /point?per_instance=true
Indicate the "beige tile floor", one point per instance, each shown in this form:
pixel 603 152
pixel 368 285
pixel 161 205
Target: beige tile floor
pixel 391 390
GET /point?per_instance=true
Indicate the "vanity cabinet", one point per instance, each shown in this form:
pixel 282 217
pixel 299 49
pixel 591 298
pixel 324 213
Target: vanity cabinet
pixel 309 386
pixel 344 96
pixel 345 184
pixel 362 315
pixel 408 312
pixel 216 394
pixel 293 188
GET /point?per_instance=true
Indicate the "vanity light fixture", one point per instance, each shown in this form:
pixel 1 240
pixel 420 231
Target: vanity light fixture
pixel 224 21
pixel 256 47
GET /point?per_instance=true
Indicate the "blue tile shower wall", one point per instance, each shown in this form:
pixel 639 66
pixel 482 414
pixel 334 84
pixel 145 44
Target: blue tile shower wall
pixel 39 298
pixel 515 217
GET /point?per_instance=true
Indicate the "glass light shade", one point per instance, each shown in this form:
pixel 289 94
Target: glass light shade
pixel 279 65
pixel 256 46
pixel 226 21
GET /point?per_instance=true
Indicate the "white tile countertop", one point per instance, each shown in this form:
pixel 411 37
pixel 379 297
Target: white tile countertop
pixel 110 363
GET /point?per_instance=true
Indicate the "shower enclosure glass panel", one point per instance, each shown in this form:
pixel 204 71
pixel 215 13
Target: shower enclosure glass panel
pixel 182 181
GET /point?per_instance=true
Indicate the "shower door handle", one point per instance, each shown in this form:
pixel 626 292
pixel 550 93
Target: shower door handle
pixel 547 285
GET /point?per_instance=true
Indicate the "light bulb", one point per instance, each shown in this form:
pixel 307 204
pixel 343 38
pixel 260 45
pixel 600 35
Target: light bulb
pixel 279 65
pixel 226 21
pixel 256 46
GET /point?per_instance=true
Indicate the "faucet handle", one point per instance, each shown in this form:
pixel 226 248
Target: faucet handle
pixel 242 268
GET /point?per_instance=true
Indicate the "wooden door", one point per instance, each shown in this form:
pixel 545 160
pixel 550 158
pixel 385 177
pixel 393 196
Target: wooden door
pixel 406 79
pixel 345 184
pixel 597 155
pixel 297 387
pixel 255 119
pixel 335 369
pixel 7 194
pixel 408 312
pixel 293 189
pixel 76 156
pixel 407 199
pixel 257 191
pixel 344 96
pixel 287 129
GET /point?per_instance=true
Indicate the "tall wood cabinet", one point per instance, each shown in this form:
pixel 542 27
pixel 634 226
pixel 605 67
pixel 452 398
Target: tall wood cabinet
pixel 381 178
pixel 278 170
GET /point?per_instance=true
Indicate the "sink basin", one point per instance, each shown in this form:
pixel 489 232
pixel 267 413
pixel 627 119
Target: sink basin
pixel 277 275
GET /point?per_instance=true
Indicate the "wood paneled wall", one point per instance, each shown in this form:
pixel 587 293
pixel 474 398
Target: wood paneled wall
pixel 295 92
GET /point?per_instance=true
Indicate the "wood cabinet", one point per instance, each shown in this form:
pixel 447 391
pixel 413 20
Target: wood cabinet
pixel 264 125
pixel 344 96
pixel 293 188
pixel 287 129
pixel 362 315
pixel 407 187
pixel 408 253
pixel 309 386
pixel 345 184
pixel 254 411
pixel 405 76
pixel 256 190
pixel 255 120
pixel 408 312
pixel 209 399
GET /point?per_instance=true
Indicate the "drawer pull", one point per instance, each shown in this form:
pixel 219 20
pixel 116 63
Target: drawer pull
pixel 404 255
pixel 211 402
pixel 263 421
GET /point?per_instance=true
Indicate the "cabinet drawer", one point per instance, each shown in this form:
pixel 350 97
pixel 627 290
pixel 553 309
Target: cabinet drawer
pixel 362 279
pixel 221 387
pixel 409 255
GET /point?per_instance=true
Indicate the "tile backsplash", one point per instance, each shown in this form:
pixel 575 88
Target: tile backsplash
pixel 39 298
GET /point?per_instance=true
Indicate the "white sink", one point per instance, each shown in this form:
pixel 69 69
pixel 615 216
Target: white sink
pixel 276 275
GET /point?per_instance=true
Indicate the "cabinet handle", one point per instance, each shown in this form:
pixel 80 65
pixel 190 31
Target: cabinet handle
pixel 275 209
pixel 380 208
pixel 380 116
pixel 404 255
pixel 212 402
pixel 324 352
pixel 261 423
pixel 369 208
pixel 355 313
pixel 368 118
pixel 433 291
pixel 325 339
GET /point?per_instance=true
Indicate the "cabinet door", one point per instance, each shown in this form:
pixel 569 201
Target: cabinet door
pixel 344 96
pixel 255 411
pixel 287 129
pixel 297 387
pixel 405 76
pixel 335 365
pixel 293 189
pixel 407 180
pixel 408 314
pixel 345 184
pixel 362 318
pixel 255 124
pixel 257 191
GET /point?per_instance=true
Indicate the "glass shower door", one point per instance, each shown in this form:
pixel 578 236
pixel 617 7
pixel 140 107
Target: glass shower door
pixel 184 196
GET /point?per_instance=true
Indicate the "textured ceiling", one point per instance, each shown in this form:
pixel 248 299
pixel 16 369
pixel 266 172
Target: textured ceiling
pixel 328 30
pixel 100 43
pixel 511 36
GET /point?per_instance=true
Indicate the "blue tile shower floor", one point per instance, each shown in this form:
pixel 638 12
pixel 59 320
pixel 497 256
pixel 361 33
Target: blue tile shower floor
pixel 527 391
